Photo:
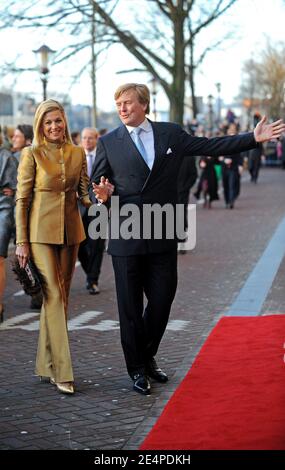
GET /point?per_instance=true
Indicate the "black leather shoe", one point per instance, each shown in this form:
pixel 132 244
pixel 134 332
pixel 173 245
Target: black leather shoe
pixel 141 384
pixel 155 372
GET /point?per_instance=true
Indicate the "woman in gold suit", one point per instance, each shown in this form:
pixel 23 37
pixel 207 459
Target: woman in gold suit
pixel 51 177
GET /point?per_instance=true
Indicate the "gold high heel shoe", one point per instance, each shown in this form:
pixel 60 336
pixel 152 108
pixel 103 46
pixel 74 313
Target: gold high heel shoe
pixel 63 387
pixel 1 313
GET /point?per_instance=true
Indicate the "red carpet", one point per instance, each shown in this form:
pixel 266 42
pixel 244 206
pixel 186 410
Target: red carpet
pixel 233 397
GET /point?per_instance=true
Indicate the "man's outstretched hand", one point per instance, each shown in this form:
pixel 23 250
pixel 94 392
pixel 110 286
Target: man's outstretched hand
pixel 264 132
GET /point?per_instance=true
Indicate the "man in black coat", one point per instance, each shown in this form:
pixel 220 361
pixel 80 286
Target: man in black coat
pixel 142 160
pixel 90 253
pixel 186 179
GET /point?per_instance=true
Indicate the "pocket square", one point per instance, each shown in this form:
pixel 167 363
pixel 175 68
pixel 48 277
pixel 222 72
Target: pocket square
pixel 169 151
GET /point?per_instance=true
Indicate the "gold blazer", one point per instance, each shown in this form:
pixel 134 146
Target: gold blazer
pixel 50 179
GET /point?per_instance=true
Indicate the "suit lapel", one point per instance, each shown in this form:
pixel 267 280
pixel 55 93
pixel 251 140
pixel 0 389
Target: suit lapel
pixel 129 150
pixel 160 145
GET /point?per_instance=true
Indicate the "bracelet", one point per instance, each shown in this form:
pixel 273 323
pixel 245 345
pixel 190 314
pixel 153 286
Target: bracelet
pixel 21 243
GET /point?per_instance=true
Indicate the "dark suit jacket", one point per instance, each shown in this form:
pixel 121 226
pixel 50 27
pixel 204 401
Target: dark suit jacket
pixel 118 159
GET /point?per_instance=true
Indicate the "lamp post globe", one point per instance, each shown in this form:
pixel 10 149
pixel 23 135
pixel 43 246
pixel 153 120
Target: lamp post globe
pixel 44 52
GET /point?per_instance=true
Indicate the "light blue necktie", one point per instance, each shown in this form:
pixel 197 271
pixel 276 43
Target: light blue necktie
pixel 139 144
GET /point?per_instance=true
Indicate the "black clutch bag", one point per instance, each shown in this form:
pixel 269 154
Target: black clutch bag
pixel 31 279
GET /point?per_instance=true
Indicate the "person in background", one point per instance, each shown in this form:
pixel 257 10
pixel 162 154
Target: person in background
pixel 23 137
pixel 232 167
pixel 254 162
pixel 51 175
pixel 102 131
pixel 186 179
pixel 208 181
pixel 75 136
pixel 7 137
pixel 8 181
pixel 91 251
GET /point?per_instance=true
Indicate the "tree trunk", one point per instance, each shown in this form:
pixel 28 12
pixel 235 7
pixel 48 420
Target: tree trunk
pixel 193 95
pixel 192 79
pixel 178 82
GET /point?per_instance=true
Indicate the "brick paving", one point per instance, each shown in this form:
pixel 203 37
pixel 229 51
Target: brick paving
pixel 105 413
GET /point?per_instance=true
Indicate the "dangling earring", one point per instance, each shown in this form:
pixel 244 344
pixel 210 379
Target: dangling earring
pixel 45 142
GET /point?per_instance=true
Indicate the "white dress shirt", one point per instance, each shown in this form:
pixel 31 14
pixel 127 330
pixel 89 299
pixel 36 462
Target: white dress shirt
pixel 147 139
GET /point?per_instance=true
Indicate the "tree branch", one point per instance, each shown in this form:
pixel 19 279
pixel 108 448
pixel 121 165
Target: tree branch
pixel 213 16
pixel 131 42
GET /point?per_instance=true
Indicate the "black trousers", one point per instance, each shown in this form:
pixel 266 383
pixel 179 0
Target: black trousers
pixel 231 184
pixel 90 254
pixel 155 275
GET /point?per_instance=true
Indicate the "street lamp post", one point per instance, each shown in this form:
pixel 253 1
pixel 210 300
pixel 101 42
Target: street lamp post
pixel 44 54
pixel 154 93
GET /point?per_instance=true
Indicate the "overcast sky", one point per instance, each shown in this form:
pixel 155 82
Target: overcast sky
pixel 253 20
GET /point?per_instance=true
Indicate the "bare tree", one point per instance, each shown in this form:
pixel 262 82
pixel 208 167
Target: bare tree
pixel 162 51
pixel 160 34
pixel 272 78
pixel 249 90
pixel 76 19
pixel 264 81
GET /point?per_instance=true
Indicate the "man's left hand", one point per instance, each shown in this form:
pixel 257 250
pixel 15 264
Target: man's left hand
pixel 103 190
pixel 264 132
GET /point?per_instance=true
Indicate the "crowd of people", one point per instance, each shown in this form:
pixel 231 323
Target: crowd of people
pixel 61 174
pixel 227 170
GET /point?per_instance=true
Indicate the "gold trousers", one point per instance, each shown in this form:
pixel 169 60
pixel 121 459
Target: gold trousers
pixel 56 263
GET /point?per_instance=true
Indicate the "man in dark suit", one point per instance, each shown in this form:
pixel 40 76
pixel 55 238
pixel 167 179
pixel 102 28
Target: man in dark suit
pixel 187 177
pixel 142 160
pixel 91 251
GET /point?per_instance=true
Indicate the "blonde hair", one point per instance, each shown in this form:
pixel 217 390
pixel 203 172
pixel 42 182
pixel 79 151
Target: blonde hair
pixel 44 108
pixel 141 90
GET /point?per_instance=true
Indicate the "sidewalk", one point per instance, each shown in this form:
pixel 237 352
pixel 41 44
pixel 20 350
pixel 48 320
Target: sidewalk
pixel 105 413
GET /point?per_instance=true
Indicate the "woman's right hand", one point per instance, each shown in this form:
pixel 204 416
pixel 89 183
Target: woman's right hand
pixel 23 254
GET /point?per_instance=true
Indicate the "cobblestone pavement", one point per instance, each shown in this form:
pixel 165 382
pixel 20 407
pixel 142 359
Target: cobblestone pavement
pixel 105 413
